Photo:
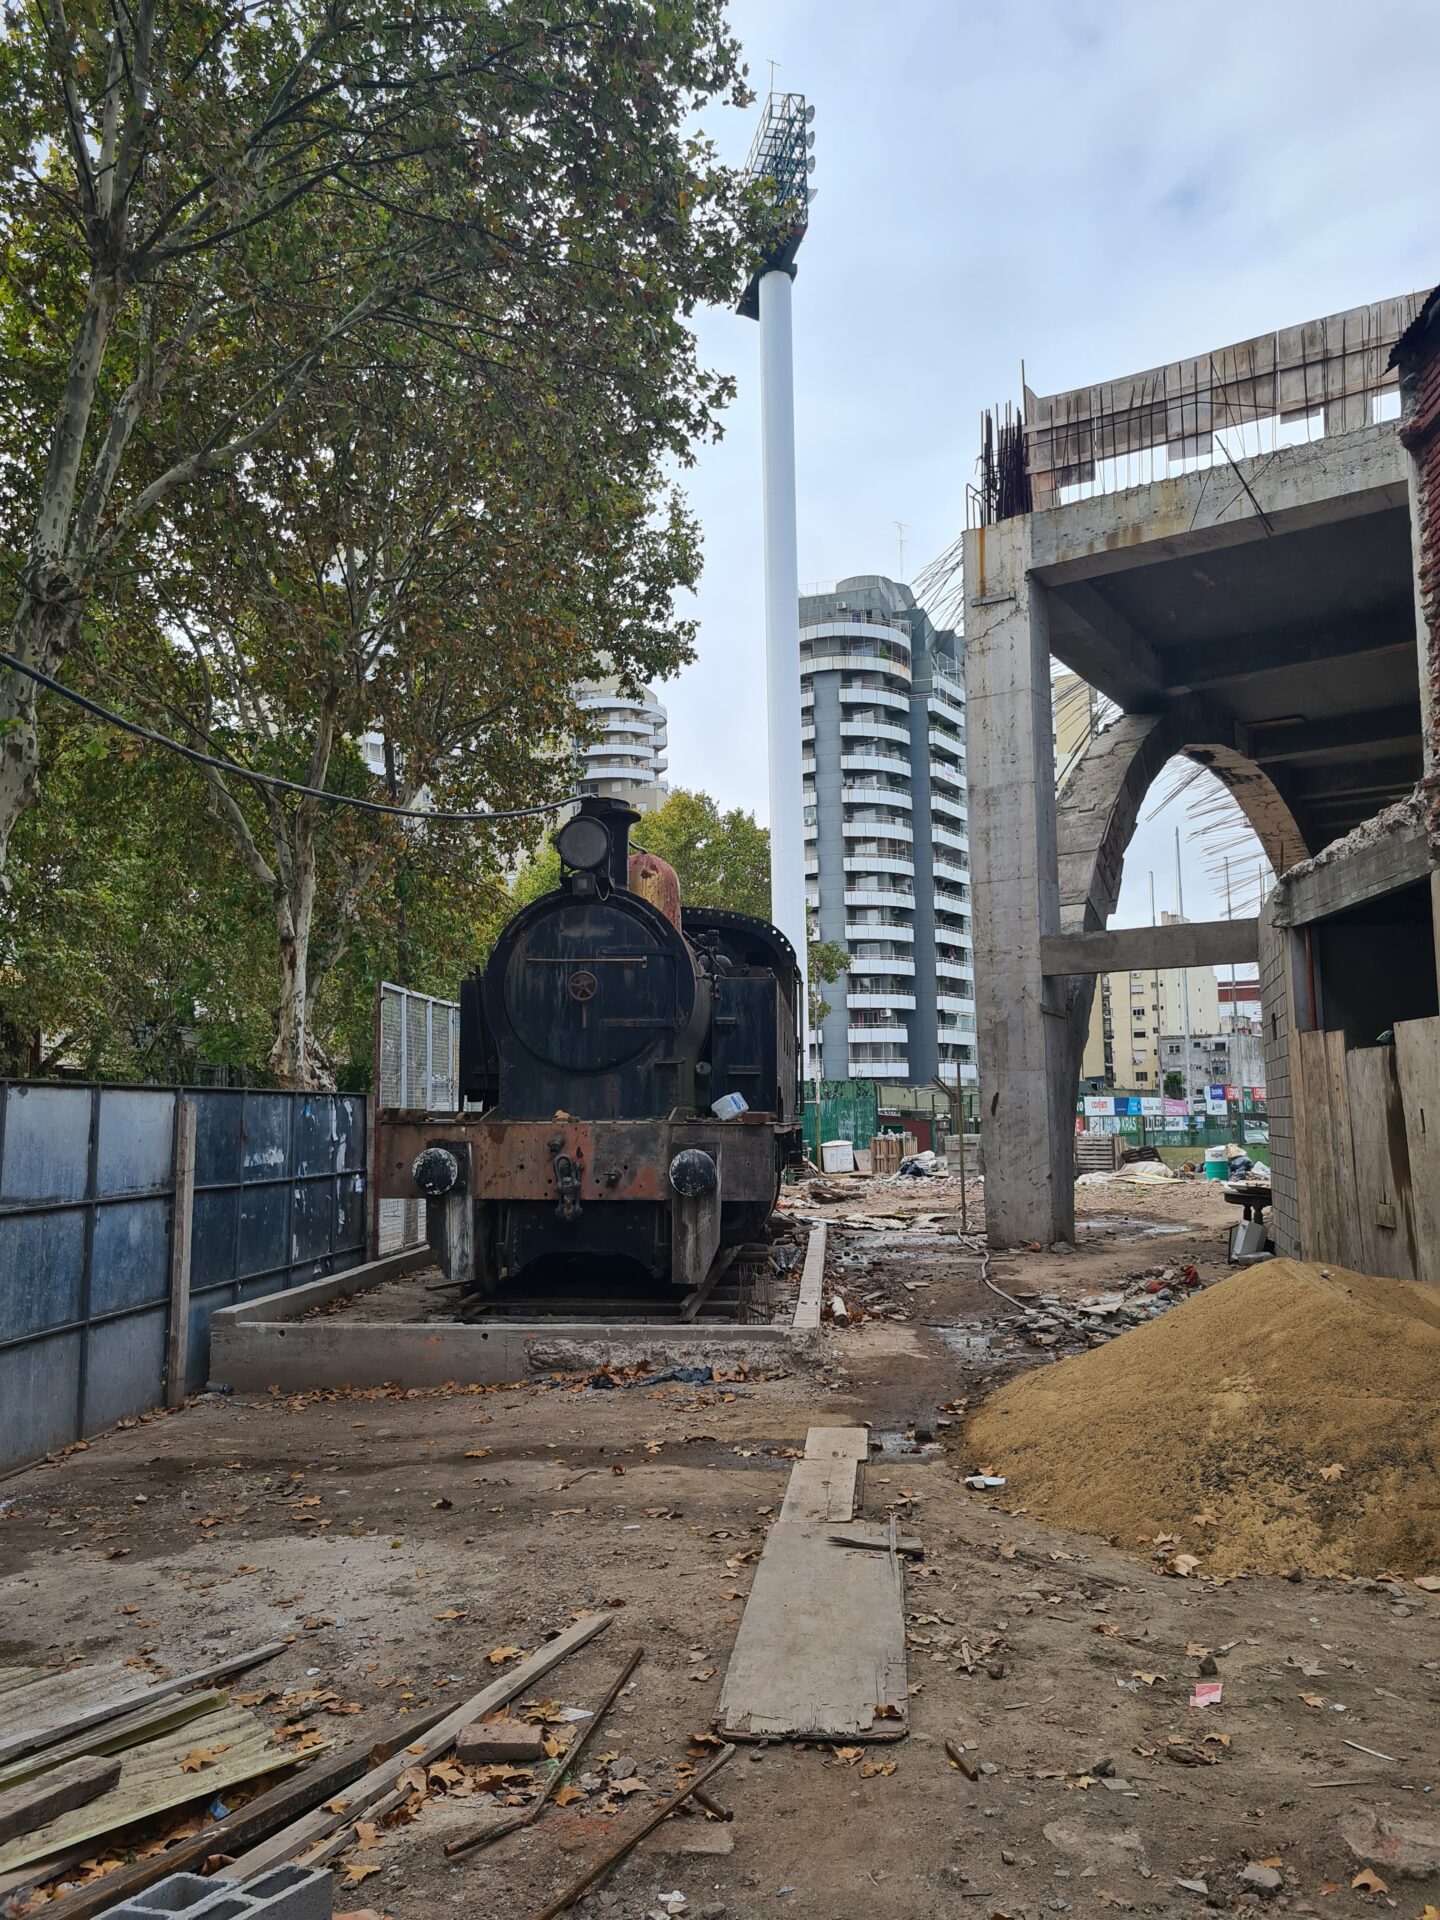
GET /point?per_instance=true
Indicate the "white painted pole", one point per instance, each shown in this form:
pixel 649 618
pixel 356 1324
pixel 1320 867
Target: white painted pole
pixel 782 628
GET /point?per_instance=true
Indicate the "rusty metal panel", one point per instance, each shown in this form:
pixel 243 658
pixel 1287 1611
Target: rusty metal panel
pixel 617 1159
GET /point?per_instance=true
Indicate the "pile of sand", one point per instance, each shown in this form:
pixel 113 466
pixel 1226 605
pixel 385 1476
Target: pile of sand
pixel 1224 1420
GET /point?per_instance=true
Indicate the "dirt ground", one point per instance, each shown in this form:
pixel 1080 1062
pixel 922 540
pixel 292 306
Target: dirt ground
pixel 402 1538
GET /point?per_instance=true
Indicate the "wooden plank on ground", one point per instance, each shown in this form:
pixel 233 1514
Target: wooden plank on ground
pixel 147 1723
pixel 1417 1065
pixel 34 1803
pixel 820 1654
pixel 822 1486
pixel 276 1807
pixel 303 1833
pixel 154 1778
pixel 812 1282
pixel 71 1703
pixel 1386 1215
pixel 18 1677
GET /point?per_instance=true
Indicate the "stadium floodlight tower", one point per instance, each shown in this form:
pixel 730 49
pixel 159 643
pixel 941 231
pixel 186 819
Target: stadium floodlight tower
pixel 781 162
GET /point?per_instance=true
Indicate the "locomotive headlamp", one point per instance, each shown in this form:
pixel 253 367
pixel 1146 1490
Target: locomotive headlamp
pixel 583 843
pixel 435 1172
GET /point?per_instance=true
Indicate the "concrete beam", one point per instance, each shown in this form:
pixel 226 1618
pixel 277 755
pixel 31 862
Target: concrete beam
pixel 1195 943
pixel 1310 787
pixel 1340 478
pixel 1275 741
pixel 1110 653
pixel 1281 650
pixel 1347 874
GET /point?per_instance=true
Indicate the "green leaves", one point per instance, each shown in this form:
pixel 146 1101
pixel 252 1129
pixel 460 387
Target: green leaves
pixel 368 448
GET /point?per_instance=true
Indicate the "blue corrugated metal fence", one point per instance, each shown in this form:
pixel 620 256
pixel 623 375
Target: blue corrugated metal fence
pixel 87 1193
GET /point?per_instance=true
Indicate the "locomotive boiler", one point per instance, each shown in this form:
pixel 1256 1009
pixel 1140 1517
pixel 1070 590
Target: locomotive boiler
pixel 630 1076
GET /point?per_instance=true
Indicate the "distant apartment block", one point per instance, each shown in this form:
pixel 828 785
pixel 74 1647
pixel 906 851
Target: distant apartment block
pixel 1135 1019
pixel 626 760
pixel 887 847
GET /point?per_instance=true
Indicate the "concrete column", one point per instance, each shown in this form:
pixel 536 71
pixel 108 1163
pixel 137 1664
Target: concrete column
pixel 1027 1078
pixel 782 623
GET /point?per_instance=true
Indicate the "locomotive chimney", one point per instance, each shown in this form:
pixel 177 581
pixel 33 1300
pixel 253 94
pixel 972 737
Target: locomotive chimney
pixel 617 816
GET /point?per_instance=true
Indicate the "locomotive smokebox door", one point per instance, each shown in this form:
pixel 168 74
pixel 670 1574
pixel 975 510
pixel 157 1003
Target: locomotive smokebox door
pixel 694 1217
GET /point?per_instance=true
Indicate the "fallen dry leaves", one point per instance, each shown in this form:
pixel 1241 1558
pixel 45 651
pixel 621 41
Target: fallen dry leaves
pixel 1368 1881
pixel 199 1757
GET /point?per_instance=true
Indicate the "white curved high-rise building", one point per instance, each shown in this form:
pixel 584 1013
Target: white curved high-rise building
pixel 627 759
pixel 887 847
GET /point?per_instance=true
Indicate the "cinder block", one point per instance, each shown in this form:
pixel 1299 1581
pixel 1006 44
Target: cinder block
pixel 289 1893
pixel 499 1742
pixel 180 1893
pixel 285 1893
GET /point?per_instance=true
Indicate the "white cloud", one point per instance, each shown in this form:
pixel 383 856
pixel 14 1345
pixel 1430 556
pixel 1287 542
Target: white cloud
pixel 1093 188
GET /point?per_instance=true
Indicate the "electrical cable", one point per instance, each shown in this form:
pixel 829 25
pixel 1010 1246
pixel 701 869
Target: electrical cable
pixel 111 718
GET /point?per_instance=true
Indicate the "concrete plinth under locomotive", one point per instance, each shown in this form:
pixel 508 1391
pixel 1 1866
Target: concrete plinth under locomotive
pixel 594 1043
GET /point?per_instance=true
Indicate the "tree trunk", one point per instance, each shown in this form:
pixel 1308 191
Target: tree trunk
pixel 295 1060
pixel 39 634
pixel 49 608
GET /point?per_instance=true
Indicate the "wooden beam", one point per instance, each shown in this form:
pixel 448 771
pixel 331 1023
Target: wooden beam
pixel 1186 943
pixel 37 1802
pixel 303 1833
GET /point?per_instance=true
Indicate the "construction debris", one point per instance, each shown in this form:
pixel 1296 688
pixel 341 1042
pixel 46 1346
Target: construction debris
pixel 1217 1428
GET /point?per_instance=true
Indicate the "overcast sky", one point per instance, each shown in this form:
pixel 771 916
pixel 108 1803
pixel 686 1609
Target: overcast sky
pixel 1092 188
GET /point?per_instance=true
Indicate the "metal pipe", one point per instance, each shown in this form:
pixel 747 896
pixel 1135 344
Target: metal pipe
pixel 782 628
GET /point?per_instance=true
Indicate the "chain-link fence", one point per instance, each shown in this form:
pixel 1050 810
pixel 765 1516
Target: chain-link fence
pixel 418 1066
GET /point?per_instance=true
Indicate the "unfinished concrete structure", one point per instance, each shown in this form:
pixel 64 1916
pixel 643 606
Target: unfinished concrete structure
pixel 1223 547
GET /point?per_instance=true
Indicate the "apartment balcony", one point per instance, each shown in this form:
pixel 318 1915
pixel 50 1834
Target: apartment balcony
pixel 893 1031
pixel 869 730
pixel 872 829
pixel 948 776
pixel 872 930
pixel 857 998
pixel 856 794
pixel 875 763
pixel 807 734
pixel 957 1003
pixel 857 630
pixel 879 897
pixel 879 966
pixel 947 696
pixel 854 695
pixel 892 1067
pixel 947 870
pixel 896 668
pixel 943 806
pixel 878 863
pixel 944 835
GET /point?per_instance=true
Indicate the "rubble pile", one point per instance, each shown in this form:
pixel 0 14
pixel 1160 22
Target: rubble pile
pixel 1284 1419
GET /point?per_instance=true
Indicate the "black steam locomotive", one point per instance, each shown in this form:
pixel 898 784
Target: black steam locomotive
pixel 631 1076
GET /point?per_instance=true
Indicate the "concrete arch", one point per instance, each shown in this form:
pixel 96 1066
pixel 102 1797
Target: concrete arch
pixel 1099 808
